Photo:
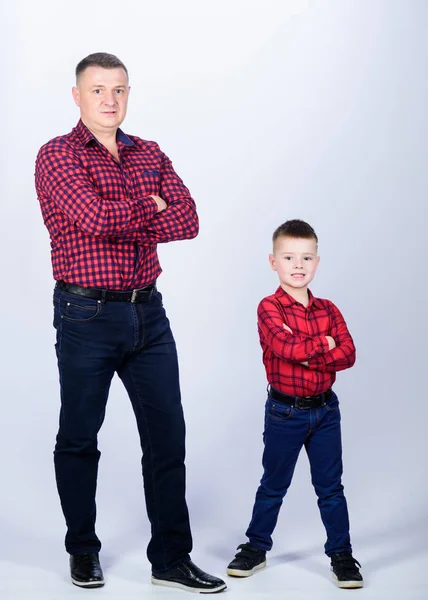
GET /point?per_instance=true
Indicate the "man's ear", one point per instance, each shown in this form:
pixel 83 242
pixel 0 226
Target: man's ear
pixel 75 93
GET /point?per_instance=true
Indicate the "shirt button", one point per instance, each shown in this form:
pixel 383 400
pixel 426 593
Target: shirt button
pixel 309 355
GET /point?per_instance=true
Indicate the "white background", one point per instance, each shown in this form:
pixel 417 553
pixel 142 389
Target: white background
pixel 270 110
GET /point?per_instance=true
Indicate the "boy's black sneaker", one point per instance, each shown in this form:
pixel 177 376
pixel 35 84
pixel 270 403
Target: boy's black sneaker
pixel 247 561
pixel 345 571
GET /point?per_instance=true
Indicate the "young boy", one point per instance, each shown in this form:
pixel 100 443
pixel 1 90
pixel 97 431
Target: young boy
pixel 304 341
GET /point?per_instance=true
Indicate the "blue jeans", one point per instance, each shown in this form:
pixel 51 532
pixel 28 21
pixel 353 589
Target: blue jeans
pixel 286 431
pixel 95 340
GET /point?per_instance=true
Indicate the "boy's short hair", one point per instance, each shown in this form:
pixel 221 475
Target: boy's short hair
pixel 295 228
pixel 100 59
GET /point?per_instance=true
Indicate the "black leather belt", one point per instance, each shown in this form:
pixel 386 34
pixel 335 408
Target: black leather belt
pixel 300 401
pixel 141 295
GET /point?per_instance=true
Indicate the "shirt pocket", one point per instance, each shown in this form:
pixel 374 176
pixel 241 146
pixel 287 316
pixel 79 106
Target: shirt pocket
pixel 147 183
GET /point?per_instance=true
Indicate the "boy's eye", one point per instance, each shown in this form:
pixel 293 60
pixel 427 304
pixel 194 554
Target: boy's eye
pixel 308 257
pixel 287 257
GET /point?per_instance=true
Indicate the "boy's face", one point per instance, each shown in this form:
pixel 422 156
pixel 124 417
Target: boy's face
pixel 295 260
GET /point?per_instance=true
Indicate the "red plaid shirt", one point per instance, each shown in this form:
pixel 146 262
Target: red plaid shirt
pixel 103 225
pixel 283 352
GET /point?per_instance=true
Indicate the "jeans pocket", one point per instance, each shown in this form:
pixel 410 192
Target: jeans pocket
pixel 332 404
pixel 81 311
pixel 279 412
pixel 157 298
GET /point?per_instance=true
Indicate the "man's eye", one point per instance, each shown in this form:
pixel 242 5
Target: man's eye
pixel 97 91
pixel 119 91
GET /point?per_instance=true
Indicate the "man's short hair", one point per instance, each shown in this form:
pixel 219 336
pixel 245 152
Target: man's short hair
pixel 295 228
pixel 100 59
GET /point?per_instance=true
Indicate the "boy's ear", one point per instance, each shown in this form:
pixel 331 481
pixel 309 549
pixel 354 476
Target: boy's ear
pixel 272 262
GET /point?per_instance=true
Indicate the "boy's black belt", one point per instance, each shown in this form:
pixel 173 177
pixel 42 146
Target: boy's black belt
pixel 141 295
pixel 300 401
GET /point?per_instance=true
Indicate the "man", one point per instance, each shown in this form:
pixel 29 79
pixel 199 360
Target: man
pixel 107 199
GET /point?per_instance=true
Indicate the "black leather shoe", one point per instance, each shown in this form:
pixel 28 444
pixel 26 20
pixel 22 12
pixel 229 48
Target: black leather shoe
pixel 85 570
pixel 191 578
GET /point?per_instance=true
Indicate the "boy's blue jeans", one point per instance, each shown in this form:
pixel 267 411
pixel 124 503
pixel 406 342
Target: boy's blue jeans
pixel 287 429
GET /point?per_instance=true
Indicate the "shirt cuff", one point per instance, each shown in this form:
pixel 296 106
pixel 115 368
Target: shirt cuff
pixel 150 206
pixel 318 362
pixel 320 349
pixel 318 352
pixel 324 347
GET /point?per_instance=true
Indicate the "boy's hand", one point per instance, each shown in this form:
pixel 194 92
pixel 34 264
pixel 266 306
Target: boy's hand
pixel 331 342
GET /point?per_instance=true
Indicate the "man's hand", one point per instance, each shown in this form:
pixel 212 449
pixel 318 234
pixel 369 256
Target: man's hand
pixel 331 342
pixel 160 202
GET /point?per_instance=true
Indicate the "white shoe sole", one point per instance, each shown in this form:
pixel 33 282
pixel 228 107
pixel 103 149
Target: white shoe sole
pixel 187 588
pixel 88 584
pixel 239 573
pixel 348 585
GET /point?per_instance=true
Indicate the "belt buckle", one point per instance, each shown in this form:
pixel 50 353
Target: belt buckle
pixel 134 296
pixel 302 403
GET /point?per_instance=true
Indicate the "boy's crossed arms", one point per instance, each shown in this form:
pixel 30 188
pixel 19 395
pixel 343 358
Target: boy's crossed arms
pixel 331 351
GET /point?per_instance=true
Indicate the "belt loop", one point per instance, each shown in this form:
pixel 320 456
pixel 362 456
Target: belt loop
pixel 103 296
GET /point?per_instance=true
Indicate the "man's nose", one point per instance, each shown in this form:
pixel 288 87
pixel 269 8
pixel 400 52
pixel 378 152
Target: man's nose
pixel 109 98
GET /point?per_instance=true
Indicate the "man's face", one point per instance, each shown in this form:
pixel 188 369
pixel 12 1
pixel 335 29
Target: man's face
pixel 295 260
pixel 102 96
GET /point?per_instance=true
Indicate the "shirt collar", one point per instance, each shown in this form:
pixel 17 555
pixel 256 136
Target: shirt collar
pixel 87 136
pixel 287 300
pixel 123 138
